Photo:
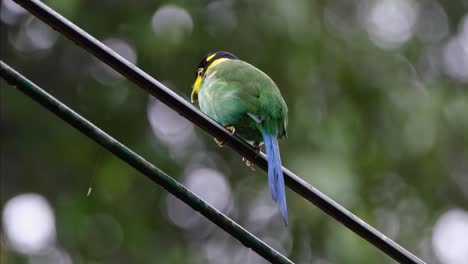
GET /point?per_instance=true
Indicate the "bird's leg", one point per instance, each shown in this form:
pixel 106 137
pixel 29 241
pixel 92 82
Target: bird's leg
pixel 249 163
pixel 220 143
pixel 257 148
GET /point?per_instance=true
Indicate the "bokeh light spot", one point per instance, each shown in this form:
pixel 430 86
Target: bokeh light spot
pixel 172 23
pixel 211 186
pixel 390 23
pixel 456 54
pixel 450 237
pixel 104 73
pixel 29 223
pixel 34 35
pixel 170 128
pixel 10 12
pixel 221 17
pixel 433 23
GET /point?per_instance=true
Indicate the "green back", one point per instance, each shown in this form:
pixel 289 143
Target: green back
pixel 234 88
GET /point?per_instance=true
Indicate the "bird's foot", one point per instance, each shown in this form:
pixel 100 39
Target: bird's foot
pixel 248 163
pixel 257 147
pixel 220 143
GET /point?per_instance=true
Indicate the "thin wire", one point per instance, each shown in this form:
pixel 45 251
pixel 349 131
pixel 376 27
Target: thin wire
pixel 97 161
pixel 180 105
pixel 140 164
pixel 3 170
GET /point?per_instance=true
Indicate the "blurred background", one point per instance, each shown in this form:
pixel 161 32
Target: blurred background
pixel 378 98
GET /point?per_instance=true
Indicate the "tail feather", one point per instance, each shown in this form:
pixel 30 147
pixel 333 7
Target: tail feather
pixel 275 173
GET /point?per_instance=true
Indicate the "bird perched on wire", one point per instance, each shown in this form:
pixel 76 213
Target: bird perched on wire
pixel 248 103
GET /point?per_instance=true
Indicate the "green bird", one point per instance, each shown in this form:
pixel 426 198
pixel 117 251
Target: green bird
pixel 247 102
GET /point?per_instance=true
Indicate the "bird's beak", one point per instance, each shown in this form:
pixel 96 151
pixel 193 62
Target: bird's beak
pixel 196 86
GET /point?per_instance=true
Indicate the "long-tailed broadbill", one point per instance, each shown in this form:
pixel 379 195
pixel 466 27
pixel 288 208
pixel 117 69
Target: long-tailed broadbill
pixel 247 102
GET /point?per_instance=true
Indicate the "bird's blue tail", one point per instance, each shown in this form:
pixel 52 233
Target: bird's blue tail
pixel 275 173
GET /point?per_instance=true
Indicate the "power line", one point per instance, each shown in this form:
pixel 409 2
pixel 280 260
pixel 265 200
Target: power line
pixel 139 163
pixel 180 105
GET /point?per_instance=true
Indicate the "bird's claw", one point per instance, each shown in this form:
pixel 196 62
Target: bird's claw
pixel 248 163
pixel 220 143
pixel 257 148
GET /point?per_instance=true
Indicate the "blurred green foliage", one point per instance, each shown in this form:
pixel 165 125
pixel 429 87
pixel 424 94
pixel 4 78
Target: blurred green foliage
pixel 378 103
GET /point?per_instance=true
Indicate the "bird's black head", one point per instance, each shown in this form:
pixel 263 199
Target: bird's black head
pixel 211 58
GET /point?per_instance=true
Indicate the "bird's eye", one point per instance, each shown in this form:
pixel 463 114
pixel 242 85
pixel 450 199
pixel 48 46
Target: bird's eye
pixel 200 72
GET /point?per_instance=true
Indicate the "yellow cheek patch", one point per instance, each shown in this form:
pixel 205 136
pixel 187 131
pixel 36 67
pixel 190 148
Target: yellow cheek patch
pixel 196 86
